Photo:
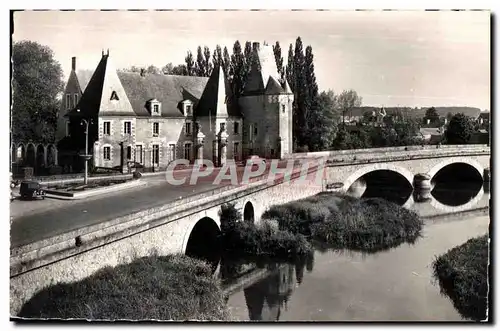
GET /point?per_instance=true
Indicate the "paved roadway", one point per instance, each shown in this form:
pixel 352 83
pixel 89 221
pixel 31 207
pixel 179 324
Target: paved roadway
pixel 64 216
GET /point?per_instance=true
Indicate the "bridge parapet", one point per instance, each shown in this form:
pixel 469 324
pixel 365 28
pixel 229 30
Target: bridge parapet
pixel 428 149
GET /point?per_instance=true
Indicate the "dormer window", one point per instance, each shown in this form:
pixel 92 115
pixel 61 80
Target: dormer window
pixel 187 108
pixel 154 107
pixel 114 96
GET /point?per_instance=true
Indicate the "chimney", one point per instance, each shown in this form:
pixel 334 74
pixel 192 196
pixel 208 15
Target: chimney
pixel 256 46
pixel 73 63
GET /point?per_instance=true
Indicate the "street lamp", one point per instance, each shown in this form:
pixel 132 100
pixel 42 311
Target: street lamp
pixel 86 157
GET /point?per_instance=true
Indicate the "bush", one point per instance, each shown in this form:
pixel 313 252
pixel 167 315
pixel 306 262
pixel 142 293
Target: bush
pixel 165 288
pixel 359 224
pixel 245 240
pixel 463 276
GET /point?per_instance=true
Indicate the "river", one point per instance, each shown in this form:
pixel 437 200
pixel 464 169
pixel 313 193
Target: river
pixel 395 285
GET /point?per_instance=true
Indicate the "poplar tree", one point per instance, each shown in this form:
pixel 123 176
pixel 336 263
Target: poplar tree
pixel 226 62
pixel 207 64
pixel 301 92
pixel 190 65
pixel 279 59
pixel 237 68
pixel 200 63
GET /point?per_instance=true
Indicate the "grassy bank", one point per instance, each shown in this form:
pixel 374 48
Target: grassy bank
pixel 160 288
pixel 463 276
pixel 342 222
pixel 246 240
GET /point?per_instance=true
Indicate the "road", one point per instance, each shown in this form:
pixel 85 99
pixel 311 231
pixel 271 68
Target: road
pixel 64 216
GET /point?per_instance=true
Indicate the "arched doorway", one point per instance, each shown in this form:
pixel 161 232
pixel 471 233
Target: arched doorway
pixel 51 155
pixel 30 155
pixel 203 242
pixel 248 213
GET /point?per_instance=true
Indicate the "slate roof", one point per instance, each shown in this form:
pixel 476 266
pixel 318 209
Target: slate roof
pixel 90 102
pixel 485 115
pixel 273 86
pixel 215 87
pixel 170 90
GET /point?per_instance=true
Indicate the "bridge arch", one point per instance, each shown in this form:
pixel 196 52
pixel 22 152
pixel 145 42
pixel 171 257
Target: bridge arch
pixel 374 167
pixel 248 212
pixel 202 239
pixel 465 160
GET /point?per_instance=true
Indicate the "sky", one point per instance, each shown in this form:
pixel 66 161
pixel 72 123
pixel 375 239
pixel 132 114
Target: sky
pixel 390 58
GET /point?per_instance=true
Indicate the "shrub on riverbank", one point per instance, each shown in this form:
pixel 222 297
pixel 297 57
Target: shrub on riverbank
pixel 463 276
pixel 369 225
pixel 242 239
pixel 158 287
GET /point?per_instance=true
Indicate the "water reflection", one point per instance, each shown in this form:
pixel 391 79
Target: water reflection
pixel 456 194
pixel 267 286
pixel 444 197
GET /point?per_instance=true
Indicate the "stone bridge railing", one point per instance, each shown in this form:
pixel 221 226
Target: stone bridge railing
pixel 427 149
pixel 43 252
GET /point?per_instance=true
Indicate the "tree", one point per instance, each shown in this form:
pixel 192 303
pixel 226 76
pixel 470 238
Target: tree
pixel 301 93
pixel 432 115
pixel 36 82
pixel 459 130
pixel 311 100
pixel 322 122
pixel 217 57
pixel 348 100
pixel 190 65
pixel 289 71
pixel 237 68
pixel 152 70
pixel 226 62
pixel 180 69
pixel 279 59
pixel 207 65
pixel 199 66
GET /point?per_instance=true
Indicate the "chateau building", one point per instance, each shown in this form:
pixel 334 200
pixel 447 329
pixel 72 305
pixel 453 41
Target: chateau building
pixel 153 119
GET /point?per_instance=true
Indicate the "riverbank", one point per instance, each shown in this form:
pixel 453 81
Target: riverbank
pixel 193 293
pixel 151 288
pixel 463 276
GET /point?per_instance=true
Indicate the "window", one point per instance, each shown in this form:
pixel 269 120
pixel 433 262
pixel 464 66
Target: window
pixel 114 96
pixel 67 128
pixel 171 152
pixel 255 130
pixel 189 109
pixel 156 129
pixel 129 152
pixel 236 150
pixel 138 153
pixel 187 151
pixel 223 126
pixel 156 109
pixel 107 153
pixel 75 98
pixel 68 101
pixel 127 127
pixel 188 128
pixel 236 128
pixel 283 109
pixel 106 128
pixel 156 154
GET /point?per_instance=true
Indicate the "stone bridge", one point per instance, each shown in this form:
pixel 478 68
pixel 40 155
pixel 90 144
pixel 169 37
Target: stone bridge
pixel 192 222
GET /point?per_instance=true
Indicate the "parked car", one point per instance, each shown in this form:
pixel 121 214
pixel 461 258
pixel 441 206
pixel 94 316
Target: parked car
pixel 31 190
pixel 255 160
